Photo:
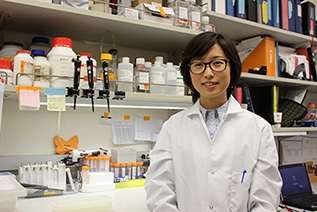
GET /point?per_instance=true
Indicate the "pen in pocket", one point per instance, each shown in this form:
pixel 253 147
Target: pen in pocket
pixel 243 176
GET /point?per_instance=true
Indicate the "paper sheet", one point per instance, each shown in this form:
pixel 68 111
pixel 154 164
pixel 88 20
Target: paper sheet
pixel 122 132
pixel 146 130
pixel 29 99
pixel 56 100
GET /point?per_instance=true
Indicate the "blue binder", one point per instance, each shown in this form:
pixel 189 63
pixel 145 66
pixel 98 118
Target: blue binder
pixel 275 13
pixel 213 5
pixel 298 23
pixel 259 11
pixel 292 10
pixel 239 8
pixel 270 14
pixel 230 7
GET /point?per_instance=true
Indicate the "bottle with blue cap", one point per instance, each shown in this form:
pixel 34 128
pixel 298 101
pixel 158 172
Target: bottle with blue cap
pixel 41 68
pixel 39 42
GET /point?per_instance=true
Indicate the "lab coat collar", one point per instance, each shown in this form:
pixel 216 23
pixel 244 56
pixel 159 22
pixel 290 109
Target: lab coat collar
pixel 233 107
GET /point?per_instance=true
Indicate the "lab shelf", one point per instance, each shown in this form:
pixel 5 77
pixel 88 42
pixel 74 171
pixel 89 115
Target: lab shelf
pixel 238 29
pixel 132 100
pixel 293 131
pixel 49 19
pixel 256 79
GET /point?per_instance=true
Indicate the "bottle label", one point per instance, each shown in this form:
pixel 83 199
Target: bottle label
pixel 183 13
pixel 125 75
pixel 157 77
pixel 144 77
pixel 171 76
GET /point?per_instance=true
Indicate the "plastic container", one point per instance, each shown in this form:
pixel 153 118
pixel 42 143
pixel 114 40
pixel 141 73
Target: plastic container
pixel 41 66
pixel 10 189
pixel 84 57
pixel 6 67
pixel 85 174
pixel 171 78
pixel 195 17
pixel 129 171
pixel 100 6
pixel 205 25
pixel 41 43
pixel 142 76
pixel 10 49
pixel 157 78
pixel 123 167
pixel 23 63
pixel 180 89
pixel 60 58
pixel 139 169
pixel 125 75
pixel 181 13
pixel 134 170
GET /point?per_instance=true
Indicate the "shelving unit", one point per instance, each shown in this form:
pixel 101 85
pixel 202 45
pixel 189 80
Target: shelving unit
pixel 43 18
pixel 238 29
pixel 86 25
pixel 256 79
pixel 132 100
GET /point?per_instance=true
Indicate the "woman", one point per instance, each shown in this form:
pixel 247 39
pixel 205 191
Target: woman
pixel 213 156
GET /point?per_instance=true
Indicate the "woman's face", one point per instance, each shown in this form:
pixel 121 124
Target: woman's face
pixel 212 85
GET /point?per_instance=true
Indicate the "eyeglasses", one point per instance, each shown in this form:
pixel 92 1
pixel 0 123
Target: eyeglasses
pixel 217 65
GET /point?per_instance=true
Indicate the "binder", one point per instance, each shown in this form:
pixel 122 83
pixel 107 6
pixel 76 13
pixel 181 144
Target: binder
pixel 265 101
pixel 262 55
pixel 213 5
pixel 239 8
pixel 265 12
pixel 269 11
pixel 220 6
pixel 230 7
pixel 308 53
pixel 251 8
pixel 247 99
pixel 275 13
pixel 284 14
pixel 259 11
pixel 308 19
pixel 298 23
pixel 292 11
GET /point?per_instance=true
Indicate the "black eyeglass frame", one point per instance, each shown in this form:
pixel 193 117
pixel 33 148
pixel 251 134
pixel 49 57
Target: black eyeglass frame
pixel 209 64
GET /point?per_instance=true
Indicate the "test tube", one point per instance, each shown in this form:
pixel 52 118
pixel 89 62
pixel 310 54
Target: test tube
pixel 129 170
pixel 134 170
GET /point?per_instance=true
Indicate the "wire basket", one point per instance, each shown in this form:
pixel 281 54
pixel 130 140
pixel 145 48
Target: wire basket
pixel 292 111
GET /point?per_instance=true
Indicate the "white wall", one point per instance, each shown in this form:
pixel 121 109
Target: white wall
pixel 32 132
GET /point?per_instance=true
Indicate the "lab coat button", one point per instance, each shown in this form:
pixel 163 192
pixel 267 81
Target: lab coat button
pixel 211 207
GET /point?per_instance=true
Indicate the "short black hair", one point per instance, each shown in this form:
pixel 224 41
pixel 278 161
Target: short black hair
pixel 198 47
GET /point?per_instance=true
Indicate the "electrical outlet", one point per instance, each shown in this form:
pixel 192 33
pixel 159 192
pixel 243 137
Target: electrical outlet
pixel 142 156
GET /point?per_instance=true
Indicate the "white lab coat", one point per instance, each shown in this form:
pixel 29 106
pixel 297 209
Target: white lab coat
pixel 236 171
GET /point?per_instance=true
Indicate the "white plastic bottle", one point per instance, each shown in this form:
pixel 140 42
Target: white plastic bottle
pixel 171 77
pixel 142 75
pixel 180 88
pixel 23 63
pixel 60 58
pixel 125 75
pixel 6 67
pixel 41 66
pixel 157 77
pixel 84 57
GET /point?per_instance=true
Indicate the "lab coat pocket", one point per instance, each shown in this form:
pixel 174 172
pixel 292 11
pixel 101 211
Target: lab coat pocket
pixel 239 191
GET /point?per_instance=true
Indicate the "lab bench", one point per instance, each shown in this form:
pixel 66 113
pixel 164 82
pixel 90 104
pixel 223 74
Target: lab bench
pixel 122 200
